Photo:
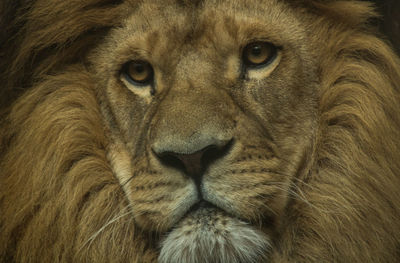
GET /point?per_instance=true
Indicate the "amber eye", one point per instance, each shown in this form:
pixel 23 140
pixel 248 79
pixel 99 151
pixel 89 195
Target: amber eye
pixel 138 72
pixel 259 54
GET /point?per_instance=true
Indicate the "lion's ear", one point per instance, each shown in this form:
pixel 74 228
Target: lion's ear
pixel 351 12
pixel 189 3
pixel 30 34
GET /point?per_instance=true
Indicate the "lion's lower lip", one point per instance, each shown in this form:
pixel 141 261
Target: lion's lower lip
pixel 203 205
pixel 198 206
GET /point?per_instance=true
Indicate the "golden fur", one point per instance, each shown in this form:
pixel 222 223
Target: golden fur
pixel 311 172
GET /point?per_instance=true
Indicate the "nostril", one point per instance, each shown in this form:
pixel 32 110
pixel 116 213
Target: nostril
pixel 191 164
pixel 213 153
pixel 171 160
pixel 194 164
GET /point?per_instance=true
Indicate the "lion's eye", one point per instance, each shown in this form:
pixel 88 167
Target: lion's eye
pixel 138 72
pixel 259 54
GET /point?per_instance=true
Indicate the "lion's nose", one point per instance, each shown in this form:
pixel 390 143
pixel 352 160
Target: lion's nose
pixel 195 163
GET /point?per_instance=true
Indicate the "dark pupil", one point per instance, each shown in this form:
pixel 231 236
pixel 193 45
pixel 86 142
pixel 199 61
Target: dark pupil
pixel 256 50
pixel 139 68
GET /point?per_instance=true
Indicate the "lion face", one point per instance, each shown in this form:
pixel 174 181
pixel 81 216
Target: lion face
pixel 212 116
pixel 198 131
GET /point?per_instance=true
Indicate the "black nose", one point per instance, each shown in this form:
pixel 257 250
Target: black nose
pixel 194 164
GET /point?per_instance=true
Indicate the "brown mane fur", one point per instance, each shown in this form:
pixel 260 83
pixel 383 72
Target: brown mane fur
pixel 57 189
pixel 356 165
pixel 40 38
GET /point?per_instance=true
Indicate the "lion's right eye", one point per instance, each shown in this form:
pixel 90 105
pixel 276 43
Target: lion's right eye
pixel 259 54
pixel 138 72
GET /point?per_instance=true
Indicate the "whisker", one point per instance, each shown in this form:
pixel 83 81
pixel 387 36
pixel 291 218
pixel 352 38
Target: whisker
pixel 129 179
pixel 301 197
pixel 113 220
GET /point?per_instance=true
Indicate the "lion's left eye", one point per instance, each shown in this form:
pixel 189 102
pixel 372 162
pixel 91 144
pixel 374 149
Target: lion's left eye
pixel 138 72
pixel 259 54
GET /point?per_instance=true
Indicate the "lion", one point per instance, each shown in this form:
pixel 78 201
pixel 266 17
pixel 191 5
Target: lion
pixel 198 131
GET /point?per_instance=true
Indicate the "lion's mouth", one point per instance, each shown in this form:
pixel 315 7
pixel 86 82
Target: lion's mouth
pixel 203 206
pixel 205 212
pixel 209 234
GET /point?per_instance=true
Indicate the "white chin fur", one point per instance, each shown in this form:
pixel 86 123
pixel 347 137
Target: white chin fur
pixel 208 235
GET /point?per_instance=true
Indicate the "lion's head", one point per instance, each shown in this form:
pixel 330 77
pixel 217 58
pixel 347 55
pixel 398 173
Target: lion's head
pixel 200 131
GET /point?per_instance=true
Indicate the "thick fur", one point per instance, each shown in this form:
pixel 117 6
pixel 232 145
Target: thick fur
pixel 311 172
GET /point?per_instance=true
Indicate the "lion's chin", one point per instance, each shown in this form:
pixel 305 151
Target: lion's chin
pixel 208 234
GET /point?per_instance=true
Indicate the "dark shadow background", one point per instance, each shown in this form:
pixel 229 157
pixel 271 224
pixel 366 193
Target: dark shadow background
pixel 390 22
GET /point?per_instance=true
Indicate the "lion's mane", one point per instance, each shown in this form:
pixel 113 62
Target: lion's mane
pixel 57 188
pixel 59 199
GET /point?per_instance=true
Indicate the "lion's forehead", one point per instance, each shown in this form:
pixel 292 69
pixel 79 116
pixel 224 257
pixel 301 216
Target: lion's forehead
pixel 208 34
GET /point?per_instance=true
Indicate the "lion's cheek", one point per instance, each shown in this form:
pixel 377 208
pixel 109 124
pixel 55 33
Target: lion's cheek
pixel 162 210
